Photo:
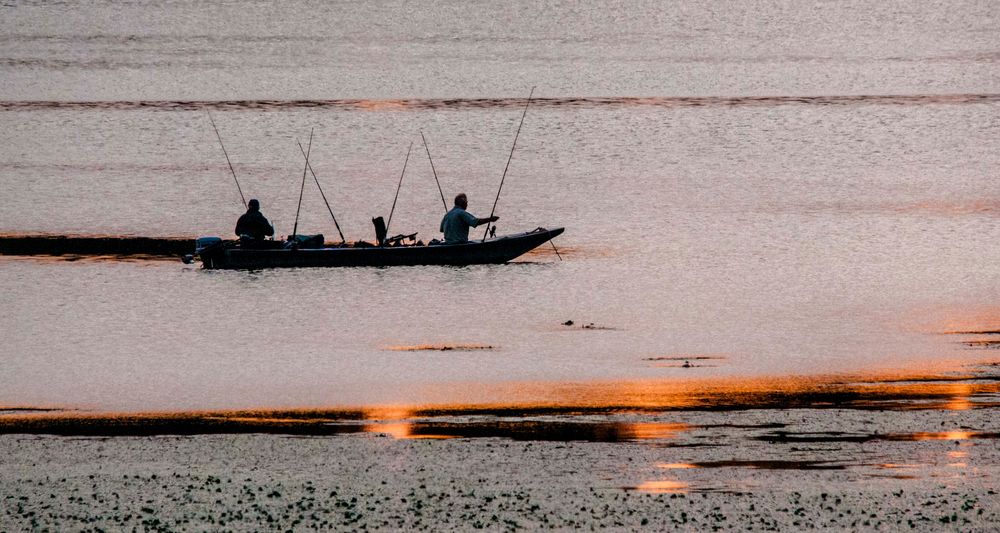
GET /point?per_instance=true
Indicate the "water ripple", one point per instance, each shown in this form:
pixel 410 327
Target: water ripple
pixel 421 104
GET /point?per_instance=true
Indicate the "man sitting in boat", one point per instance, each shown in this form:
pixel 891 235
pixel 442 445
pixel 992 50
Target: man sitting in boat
pixel 252 225
pixel 456 223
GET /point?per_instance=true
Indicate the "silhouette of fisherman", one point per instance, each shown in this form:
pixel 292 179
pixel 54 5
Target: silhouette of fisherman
pixel 252 225
pixel 456 223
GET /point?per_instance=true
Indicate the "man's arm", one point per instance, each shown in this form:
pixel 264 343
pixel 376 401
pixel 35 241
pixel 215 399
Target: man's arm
pixel 485 220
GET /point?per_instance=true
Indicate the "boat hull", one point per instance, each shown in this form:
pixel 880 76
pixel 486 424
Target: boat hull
pixel 492 251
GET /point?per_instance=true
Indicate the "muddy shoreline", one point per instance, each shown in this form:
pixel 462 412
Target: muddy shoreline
pixel 838 469
pixel 913 452
pixel 978 389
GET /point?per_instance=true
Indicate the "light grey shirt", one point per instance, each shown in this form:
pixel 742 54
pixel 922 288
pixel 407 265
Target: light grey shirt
pixel 455 225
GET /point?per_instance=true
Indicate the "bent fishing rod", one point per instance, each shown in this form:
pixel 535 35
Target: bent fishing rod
pixel 238 188
pixel 511 156
pixel 313 172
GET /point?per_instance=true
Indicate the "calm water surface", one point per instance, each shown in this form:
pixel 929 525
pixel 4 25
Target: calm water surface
pixel 761 188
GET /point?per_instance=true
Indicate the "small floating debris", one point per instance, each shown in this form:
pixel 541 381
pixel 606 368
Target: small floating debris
pixel 684 364
pixel 589 325
pixel 22 410
pixel 985 344
pixel 685 361
pixel 440 348
pixel 686 358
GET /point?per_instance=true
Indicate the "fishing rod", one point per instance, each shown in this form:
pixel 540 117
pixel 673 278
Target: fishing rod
pixel 295 228
pixel 434 171
pixel 511 156
pixel 313 172
pixel 398 187
pixel 238 188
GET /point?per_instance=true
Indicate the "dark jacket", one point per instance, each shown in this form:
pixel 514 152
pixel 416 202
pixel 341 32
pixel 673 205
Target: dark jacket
pixel 254 224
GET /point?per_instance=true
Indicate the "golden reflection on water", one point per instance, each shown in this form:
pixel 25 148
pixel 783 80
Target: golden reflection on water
pixel 887 390
pixel 402 430
pixel 392 421
pixel 676 466
pixel 960 399
pixel 387 412
pixel 956 320
pixel 943 435
pixel 648 431
pixel 663 486
pixel 513 408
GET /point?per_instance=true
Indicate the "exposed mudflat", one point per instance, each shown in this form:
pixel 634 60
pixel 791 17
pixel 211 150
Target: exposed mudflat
pixel 758 469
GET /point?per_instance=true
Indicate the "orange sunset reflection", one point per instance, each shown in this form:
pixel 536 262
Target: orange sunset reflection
pixel 546 410
pixel 662 486
pixel 957 320
pixel 647 431
pixel 396 422
pixel 676 466
pixel 960 399
pixel 891 390
pixel 943 435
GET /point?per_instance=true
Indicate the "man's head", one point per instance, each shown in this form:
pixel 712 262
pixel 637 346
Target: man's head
pixel 253 205
pixel 461 201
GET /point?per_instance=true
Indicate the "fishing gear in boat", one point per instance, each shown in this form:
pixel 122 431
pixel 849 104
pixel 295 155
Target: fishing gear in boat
pixel 330 209
pixel 295 228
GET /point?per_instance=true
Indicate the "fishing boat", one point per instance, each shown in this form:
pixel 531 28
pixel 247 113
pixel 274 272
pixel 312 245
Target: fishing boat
pixel 215 253
pixel 401 250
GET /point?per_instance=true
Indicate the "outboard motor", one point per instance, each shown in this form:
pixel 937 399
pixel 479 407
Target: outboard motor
pixel 201 243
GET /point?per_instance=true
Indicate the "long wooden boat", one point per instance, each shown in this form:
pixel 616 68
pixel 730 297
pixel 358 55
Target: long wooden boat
pixel 217 254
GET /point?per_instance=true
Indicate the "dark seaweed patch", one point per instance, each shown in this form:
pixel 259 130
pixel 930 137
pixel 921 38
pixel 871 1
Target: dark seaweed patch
pixel 773 465
pixel 789 437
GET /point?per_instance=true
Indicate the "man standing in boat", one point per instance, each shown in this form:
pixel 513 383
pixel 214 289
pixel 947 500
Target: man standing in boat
pixel 252 225
pixel 456 223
